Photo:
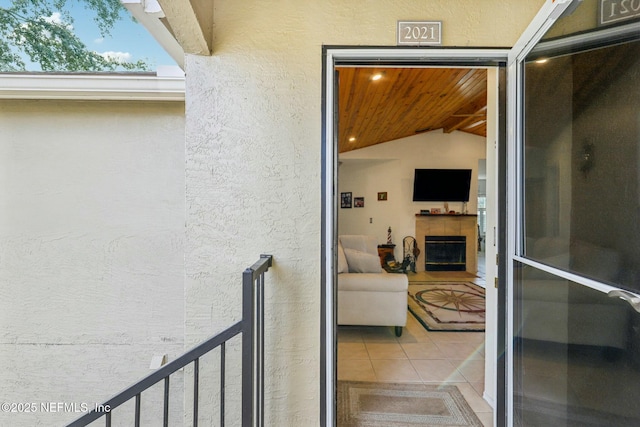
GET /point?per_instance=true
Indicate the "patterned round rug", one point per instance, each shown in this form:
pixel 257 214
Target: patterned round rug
pixel 448 306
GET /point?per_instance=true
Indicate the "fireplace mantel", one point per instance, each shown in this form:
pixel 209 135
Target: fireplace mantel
pixel 448 225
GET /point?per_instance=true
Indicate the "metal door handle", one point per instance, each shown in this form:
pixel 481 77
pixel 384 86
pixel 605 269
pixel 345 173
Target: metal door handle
pixel 631 298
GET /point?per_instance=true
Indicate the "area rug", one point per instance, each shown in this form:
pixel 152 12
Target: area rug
pixel 366 404
pixel 448 306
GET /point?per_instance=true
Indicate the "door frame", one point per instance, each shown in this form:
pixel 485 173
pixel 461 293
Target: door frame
pixel 543 21
pixel 387 56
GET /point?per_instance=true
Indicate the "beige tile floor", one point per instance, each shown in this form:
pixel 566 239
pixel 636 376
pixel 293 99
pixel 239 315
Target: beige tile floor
pixel 371 353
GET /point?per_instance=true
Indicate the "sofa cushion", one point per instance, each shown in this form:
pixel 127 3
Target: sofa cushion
pixel 546 247
pixel 373 282
pixel 595 261
pixel 343 266
pixel 368 244
pixel 362 262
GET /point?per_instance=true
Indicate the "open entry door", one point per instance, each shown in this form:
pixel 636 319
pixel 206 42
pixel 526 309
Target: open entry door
pixel 573 235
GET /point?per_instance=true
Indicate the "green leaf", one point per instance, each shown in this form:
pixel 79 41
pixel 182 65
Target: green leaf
pixel 26 29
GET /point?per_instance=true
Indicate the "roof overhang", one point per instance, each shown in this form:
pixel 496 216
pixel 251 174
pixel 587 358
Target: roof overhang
pixel 179 26
pixel 150 15
pixel 115 87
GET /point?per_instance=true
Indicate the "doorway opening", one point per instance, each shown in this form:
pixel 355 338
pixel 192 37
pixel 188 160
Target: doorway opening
pixel 351 159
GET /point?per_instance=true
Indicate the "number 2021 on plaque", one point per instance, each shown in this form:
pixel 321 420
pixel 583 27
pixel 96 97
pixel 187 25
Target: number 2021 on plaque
pixel 419 33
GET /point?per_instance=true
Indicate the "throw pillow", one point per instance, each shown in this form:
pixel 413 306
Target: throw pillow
pixel 343 267
pixel 362 262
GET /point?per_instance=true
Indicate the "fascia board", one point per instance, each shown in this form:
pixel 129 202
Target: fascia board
pixel 149 16
pixel 128 87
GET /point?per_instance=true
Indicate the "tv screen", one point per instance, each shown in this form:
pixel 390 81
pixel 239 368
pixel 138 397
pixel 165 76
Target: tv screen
pixel 441 185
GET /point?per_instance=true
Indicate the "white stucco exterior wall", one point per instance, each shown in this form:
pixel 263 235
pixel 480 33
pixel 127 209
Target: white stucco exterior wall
pixel 91 250
pixel 253 160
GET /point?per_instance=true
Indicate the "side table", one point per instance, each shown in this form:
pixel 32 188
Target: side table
pixel 384 252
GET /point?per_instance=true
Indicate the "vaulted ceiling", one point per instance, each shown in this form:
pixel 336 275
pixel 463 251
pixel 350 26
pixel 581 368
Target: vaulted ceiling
pixel 406 101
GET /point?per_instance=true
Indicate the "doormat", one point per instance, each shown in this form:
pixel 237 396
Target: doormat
pixel 448 306
pixel 367 404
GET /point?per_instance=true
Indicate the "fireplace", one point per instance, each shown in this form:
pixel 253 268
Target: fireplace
pixel 445 253
pixel 448 225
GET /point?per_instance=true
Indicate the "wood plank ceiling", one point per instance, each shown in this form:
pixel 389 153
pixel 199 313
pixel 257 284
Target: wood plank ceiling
pixel 407 101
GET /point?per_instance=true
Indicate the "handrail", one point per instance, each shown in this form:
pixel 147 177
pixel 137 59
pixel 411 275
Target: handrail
pixel 251 326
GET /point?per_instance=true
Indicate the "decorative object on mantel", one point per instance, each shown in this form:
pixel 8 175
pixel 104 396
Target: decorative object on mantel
pixel 448 306
pixel 382 196
pixel 436 211
pixel 345 200
pixel 358 202
pixel 389 236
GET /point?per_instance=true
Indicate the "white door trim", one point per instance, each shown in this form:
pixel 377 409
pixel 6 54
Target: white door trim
pixel 345 55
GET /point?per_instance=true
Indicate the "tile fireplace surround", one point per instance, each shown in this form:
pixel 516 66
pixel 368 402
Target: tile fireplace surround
pixel 448 225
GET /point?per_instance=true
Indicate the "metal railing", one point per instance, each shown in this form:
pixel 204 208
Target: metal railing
pixel 252 329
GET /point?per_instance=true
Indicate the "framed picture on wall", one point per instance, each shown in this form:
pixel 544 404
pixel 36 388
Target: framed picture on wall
pixel 358 202
pixel 382 196
pixel 345 200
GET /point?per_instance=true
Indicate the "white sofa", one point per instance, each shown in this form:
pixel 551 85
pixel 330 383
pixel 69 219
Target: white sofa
pixel 368 295
pixel 560 311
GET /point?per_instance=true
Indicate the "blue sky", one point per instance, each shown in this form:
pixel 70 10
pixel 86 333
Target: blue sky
pixel 127 37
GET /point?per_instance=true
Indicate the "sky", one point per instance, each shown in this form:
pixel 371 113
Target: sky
pixel 128 38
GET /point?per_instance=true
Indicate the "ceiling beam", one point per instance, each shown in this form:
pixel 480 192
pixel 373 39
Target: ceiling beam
pixel 462 121
pixel 191 23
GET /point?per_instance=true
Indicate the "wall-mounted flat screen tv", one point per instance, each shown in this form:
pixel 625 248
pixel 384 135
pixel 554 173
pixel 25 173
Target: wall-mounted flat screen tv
pixel 441 185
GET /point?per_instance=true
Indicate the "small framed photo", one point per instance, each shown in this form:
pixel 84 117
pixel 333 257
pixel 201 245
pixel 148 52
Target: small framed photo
pixel 382 196
pixel 436 211
pixel 345 200
pixel 358 202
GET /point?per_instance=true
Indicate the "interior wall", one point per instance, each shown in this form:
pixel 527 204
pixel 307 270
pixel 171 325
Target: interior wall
pixel 253 159
pixel 389 167
pixel 91 250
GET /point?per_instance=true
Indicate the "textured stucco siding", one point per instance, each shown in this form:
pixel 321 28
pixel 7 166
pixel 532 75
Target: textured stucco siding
pixel 253 163
pixel 91 250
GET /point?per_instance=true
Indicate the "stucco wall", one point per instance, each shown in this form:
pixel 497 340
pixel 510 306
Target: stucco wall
pixel 254 163
pixel 91 250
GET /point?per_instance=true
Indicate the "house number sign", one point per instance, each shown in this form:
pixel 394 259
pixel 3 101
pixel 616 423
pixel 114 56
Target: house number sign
pixel 618 10
pixel 420 33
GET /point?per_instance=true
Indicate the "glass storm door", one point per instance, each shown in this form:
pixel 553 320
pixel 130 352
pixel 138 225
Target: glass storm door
pixel 573 238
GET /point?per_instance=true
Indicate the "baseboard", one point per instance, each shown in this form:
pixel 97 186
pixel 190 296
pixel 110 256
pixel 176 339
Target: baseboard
pixel 490 400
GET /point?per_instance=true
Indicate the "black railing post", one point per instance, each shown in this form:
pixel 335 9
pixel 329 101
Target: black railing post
pixel 260 351
pixel 247 347
pixel 253 342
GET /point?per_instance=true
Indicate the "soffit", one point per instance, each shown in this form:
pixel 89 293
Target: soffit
pixel 408 101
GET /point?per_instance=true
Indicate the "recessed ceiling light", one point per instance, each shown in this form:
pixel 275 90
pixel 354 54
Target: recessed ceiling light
pixel 541 61
pixel 352 139
pixel 376 77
